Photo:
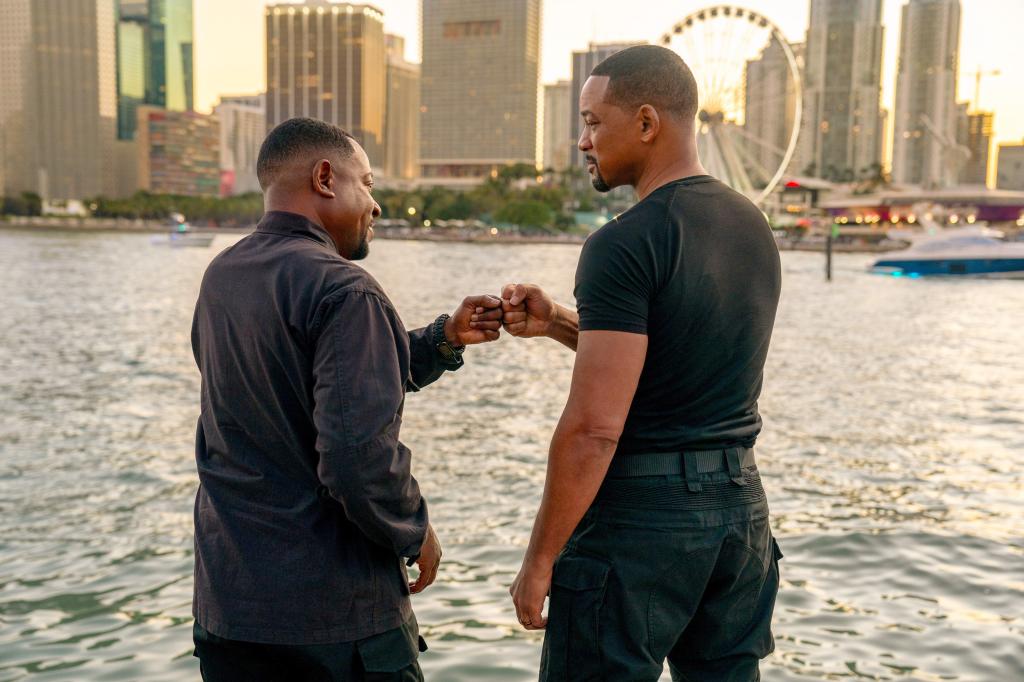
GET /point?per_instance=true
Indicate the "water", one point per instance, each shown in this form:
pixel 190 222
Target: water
pixel 891 458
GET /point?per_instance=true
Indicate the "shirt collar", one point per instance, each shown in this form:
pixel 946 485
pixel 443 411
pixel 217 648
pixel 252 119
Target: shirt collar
pixel 294 225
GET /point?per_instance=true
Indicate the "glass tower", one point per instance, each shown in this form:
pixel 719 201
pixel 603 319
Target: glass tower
pixel 170 55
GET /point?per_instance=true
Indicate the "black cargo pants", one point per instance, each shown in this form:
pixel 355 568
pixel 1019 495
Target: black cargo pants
pixel 388 657
pixel 657 570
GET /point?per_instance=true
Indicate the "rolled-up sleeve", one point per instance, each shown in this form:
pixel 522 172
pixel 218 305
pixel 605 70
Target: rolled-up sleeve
pixel 360 369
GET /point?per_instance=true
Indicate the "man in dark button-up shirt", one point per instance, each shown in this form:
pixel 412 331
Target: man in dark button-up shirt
pixel 306 505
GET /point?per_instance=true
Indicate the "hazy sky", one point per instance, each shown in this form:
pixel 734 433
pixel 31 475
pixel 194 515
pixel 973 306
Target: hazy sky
pixel 230 42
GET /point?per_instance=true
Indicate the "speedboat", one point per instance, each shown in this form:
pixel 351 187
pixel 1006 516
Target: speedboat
pixel 178 239
pixel 181 234
pixel 968 252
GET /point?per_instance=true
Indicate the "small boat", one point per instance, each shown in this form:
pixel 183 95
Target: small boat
pixel 968 252
pixel 182 234
pixel 179 239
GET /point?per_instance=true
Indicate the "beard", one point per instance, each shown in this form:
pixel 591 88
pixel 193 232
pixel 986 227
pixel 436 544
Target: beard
pixel 362 251
pixel 598 181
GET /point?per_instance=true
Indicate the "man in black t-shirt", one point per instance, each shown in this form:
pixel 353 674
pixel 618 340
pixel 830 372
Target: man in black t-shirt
pixel 652 537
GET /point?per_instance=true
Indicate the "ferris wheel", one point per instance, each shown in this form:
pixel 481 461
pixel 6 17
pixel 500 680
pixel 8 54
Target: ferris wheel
pixel 751 99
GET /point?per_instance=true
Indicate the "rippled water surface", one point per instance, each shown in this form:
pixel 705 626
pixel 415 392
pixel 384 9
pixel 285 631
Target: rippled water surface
pixel 892 456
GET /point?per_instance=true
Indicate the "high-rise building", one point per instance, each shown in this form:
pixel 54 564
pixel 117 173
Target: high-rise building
pixel 480 74
pixel 327 61
pixel 58 108
pixel 769 109
pixel 583 62
pixel 924 137
pixel 558 142
pixel 179 152
pixel 1010 167
pixel 243 125
pixel 154 59
pixel 170 60
pixel 402 120
pixel 132 51
pixel 979 142
pixel 15 97
pixel 842 125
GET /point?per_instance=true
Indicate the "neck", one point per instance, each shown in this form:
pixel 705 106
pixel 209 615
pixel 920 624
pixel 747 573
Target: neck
pixel 674 162
pixel 274 201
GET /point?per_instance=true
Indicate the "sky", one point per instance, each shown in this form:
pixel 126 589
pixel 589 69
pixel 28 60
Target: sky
pixel 230 49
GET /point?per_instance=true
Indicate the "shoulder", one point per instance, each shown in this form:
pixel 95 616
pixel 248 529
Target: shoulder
pixel 631 231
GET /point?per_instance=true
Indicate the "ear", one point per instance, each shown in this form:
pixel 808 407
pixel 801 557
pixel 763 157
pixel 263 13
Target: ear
pixel 650 123
pixel 323 178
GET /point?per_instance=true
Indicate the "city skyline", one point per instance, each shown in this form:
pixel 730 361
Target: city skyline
pixel 988 30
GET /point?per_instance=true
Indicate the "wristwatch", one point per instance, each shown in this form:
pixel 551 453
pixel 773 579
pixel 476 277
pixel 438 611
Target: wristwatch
pixel 451 355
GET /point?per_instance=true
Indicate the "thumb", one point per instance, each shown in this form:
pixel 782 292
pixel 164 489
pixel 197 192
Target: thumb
pixel 521 294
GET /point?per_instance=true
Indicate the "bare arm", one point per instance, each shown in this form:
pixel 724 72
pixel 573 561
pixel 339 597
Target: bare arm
pixel 605 377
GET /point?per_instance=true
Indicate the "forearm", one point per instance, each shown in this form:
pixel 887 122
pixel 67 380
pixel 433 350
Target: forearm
pixel 425 365
pixel 577 464
pixel 384 503
pixel 565 326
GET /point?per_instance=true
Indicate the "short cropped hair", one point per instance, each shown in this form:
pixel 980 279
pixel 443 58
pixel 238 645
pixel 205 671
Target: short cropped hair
pixel 296 137
pixel 650 74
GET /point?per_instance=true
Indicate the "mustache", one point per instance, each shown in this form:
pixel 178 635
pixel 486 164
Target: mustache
pixel 590 159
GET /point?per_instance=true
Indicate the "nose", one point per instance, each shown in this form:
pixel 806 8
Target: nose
pixel 376 210
pixel 584 142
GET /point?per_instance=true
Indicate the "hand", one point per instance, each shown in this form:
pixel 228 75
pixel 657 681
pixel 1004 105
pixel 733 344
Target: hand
pixel 527 310
pixel 528 591
pixel 476 320
pixel 428 561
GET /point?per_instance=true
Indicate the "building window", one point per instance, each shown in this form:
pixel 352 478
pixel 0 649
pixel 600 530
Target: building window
pixel 466 29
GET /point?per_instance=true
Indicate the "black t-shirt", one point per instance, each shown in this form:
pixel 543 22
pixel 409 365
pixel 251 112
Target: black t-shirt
pixel 693 266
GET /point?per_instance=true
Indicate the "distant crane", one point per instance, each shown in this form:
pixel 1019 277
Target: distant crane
pixel 978 75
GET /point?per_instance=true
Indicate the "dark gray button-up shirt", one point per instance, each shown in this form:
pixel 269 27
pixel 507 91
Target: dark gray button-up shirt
pixel 306 504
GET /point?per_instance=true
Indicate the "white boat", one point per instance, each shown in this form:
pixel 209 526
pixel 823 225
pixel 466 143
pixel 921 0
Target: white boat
pixel 180 239
pixel 966 252
pixel 181 234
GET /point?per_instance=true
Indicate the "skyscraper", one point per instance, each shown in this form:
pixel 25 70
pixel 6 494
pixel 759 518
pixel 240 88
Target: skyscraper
pixel 480 73
pixel 558 142
pixel 170 82
pixel 842 89
pixel 59 85
pixel 132 70
pixel 327 61
pixel 402 121
pixel 769 109
pixel 15 85
pixel 583 62
pixel 924 138
pixel 243 125
pixel 154 59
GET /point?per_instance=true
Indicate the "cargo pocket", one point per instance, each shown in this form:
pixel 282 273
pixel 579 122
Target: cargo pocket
pixel 572 641
pixel 391 656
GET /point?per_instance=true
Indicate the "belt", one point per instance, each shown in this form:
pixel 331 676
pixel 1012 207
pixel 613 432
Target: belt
pixel 691 464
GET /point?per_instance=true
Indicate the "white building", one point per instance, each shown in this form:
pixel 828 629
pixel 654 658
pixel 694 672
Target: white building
pixel 243 125
pixel 769 109
pixel 558 142
pixel 1010 172
pixel 843 126
pixel 925 130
